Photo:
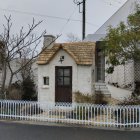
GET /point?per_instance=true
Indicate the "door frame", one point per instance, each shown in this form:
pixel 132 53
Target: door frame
pixel 70 86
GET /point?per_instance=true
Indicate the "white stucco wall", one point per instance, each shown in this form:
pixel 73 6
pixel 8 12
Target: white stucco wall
pixel 81 77
pixel 84 79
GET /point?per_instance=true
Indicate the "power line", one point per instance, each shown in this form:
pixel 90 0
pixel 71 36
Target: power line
pixel 44 16
pixel 68 20
pixel 111 2
pixel 118 1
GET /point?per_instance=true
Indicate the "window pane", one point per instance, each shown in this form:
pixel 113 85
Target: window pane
pixel 60 72
pixel 46 80
pixel 66 72
pixel 66 81
pixel 60 80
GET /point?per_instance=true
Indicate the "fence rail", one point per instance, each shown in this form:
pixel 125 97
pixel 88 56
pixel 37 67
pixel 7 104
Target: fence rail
pixel 86 114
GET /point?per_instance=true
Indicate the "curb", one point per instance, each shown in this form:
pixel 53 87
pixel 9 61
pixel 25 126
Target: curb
pixel 69 125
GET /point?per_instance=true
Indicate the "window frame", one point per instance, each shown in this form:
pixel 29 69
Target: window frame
pixel 46 80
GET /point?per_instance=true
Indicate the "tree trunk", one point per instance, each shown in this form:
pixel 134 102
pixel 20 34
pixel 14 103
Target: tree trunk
pixel 10 81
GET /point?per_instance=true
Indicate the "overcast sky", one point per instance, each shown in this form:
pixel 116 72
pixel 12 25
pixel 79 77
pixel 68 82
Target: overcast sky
pixel 22 11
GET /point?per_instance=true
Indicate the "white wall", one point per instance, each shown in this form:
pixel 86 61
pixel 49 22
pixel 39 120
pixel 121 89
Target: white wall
pixel 81 77
pixel 15 65
pixel 123 75
pixel 84 79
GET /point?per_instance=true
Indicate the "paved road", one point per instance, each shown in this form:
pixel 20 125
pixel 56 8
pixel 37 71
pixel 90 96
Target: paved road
pixel 13 131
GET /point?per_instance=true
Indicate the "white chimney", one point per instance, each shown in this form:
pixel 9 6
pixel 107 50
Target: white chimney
pixel 49 41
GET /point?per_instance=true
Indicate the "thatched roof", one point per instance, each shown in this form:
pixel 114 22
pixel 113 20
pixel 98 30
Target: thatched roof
pixel 81 52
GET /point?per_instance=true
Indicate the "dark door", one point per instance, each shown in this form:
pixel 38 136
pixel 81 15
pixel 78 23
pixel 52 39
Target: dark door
pixel 100 63
pixel 63 84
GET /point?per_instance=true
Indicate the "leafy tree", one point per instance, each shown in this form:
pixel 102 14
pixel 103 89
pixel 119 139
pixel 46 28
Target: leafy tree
pixel 123 42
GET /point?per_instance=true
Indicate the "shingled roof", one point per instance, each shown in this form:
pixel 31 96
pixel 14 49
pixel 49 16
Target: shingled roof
pixel 81 52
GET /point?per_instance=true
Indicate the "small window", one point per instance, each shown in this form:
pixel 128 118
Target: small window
pixel 46 80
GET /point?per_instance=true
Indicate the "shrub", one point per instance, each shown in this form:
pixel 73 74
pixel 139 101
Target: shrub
pixel 14 92
pixel 130 101
pixel 28 87
pixel 98 98
pixel 82 98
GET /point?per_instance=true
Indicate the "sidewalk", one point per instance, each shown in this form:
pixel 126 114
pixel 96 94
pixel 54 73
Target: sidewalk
pixel 118 93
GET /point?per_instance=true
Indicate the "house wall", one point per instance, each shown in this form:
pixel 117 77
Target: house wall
pixel 84 79
pixel 15 66
pixel 123 75
pixel 81 77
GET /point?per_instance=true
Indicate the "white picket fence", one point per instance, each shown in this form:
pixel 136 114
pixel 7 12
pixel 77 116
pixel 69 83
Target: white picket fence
pixel 85 114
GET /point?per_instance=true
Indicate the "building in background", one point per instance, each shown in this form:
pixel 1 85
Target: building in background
pixel 124 76
pixel 15 65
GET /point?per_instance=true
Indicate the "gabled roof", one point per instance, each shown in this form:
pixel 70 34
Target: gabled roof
pixel 81 52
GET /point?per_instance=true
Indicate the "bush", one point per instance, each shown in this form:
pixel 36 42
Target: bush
pixel 82 98
pixel 98 98
pixel 130 101
pixel 29 92
pixel 14 92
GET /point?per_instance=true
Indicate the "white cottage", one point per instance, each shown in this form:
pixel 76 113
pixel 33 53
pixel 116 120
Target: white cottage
pixel 65 68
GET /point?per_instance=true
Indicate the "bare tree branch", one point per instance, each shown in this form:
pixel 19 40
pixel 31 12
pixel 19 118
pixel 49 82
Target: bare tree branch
pixel 19 46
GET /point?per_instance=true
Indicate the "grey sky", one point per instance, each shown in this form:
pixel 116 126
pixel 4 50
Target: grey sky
pixel 98 11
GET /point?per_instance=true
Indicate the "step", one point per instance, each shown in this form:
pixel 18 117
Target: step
pixel 102 87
